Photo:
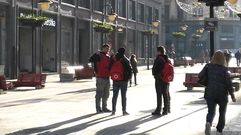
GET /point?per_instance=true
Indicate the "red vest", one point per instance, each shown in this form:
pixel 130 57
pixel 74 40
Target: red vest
pixel 102 65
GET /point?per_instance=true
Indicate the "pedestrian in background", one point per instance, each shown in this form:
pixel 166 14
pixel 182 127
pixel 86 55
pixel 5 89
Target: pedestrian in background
pixel 218 87
pixel 238 56
pixel 227 55
pixel 133 62
pixel 101 60
pixel 162 88
pixel 120 71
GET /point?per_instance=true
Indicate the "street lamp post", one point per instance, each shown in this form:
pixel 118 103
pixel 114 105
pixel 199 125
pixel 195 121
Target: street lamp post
pixel 43 4
pixel 155 24
pixel 110 16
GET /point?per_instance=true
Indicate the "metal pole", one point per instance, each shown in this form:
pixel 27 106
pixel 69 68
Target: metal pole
pixel 211 33
pixel 33 65
pixel 148 51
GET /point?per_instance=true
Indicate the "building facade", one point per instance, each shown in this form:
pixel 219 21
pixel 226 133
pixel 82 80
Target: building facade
pixel 227 34
pixel 68 36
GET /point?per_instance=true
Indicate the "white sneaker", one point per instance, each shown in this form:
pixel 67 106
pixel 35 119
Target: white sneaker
pixel 208 128
pixel 218 133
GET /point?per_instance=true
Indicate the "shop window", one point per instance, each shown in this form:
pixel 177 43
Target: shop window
pixel 226 44
pixel 148 15
pixel 140 12
pixel 84 3
pixel 131 42
pixel 140 45
pixel 122 8
pixel 72 2
pixel 166 15
pixel 98 5
pixel 227 29
pixel 156 14
pixel 132 9
pixel 67 41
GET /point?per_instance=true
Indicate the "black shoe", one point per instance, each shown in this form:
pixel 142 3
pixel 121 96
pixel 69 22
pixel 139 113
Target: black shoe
pixel 156 113
pixel 113 113
pixel 106 110
pixel 125 113
pixel 99 111
pixel 164 113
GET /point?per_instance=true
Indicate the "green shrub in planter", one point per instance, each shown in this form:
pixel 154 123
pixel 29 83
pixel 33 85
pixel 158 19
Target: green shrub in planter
pixel 196 36
pixel 178 34
pixel 150 32
pixel 32 20
pixel 103 27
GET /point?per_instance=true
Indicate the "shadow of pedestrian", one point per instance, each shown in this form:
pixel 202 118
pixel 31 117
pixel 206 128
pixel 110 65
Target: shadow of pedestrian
pixel 126 127
pixel 23 102
pixel 45 130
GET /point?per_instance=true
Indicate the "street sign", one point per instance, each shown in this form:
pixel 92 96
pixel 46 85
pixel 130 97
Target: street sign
pixel 211 24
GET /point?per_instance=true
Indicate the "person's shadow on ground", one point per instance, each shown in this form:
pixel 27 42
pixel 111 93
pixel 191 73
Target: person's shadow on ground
pixel 126 127
pixel 45 130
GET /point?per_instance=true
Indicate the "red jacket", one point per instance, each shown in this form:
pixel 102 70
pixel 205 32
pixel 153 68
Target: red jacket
pixel 102 65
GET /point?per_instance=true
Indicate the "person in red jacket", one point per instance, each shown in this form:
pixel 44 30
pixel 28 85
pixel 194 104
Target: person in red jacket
pixel 101 60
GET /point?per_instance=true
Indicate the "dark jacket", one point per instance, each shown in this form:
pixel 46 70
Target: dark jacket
pixel 219 82
pixel 126 65
pixel 134 65
pixel 237 55
pixel 158 65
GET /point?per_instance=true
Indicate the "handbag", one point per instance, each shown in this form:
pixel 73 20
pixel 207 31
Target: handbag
pixel 203 77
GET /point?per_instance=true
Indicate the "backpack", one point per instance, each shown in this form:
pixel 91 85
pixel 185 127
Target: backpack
pixel 116 71
pixel 167 73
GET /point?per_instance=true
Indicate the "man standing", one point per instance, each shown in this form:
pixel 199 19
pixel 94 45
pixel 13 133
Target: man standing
pixel 161 86
pixel 101 61
pixel 238 56
pixel 120 71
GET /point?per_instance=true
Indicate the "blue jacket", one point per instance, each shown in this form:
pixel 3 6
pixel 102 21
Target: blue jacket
pixel 219 82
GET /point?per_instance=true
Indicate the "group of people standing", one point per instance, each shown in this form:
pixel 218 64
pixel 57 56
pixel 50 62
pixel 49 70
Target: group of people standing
pixel 121 69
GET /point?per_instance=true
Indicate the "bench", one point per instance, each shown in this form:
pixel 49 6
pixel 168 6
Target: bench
pixel 191 81
pixel 192 78
pixel 86 72
pixel 4 84
pixel 36 80
pixel 235 70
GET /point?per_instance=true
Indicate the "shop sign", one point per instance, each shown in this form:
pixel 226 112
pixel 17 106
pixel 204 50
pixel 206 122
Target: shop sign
pixel 210 24
pixel 64 12
pixel 50 22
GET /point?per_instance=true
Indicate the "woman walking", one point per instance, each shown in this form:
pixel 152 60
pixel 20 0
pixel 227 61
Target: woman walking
pixel 219 86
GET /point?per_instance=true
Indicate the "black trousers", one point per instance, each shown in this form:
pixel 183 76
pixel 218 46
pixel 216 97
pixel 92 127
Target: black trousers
pixel 134 74
pixel 212 103
pixel 162 91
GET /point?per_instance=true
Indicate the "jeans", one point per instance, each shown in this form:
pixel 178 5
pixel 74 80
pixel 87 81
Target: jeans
pixel 102 92
pixel 162 90
pixel 212 103
pixel 119 85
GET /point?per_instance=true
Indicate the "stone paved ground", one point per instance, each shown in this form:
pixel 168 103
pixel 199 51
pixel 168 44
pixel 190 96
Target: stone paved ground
pixel 68 108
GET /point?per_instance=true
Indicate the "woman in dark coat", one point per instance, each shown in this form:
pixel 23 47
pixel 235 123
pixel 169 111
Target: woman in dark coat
pixel 133 62
pixel 219 86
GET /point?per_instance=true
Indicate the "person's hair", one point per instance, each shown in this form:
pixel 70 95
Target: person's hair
pixel 133 56
pixel 161 49
pixel 218 58
pixel 104 46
